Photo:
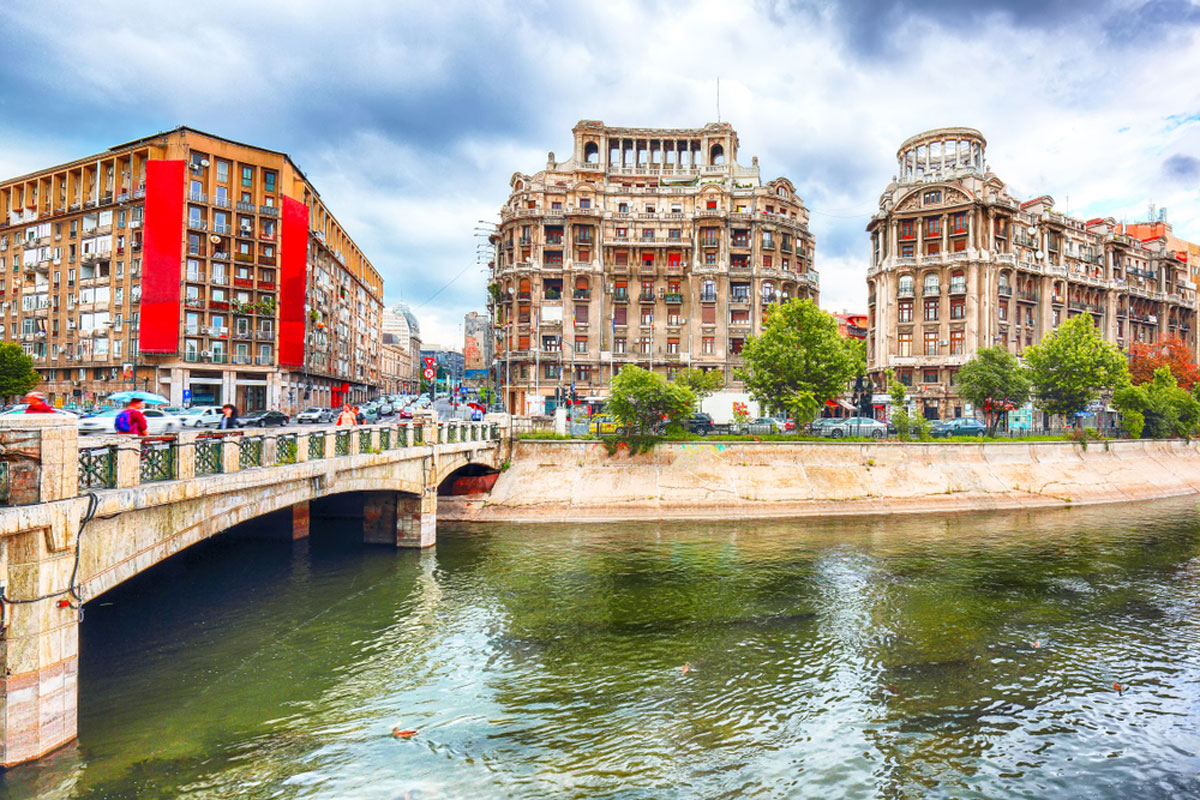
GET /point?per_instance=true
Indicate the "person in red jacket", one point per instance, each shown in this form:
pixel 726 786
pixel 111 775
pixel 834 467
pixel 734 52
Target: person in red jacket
pixel 37 404
pixel 132 420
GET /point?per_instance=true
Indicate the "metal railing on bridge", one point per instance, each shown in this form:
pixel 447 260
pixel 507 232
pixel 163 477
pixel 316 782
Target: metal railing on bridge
pixel 110 462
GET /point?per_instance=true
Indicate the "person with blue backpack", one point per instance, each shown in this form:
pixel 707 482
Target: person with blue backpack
pixel 131 420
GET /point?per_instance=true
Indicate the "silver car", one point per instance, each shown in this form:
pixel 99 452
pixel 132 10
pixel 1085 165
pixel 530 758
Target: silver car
pixel 855 426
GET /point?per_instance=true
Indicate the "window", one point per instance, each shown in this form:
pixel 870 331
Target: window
pixel 932 284
pixel 585 202
pixel 556 205
pixel 622 233
pixel 933 197
pixel 222 171
pixel 673 346
pixel 269 181
pixel 933 226
pixel 739 292
pixel 620 315
pixel 645 345
pixel 1003 310
pixel 904 287
pixel 647 315
pixel 933 247
pixel 739 316
pixel 619 345
pixel 675 233
pixel 710 205
pixel 248 177
pixel 931 343
pixel 906 229
pixel 581 344
pixel 583 373
pixel 706 345
pixel 581 313
pixel 931 309
pixel 709 237
pixel 929 376
pixel 905 342
pixel 956 343
pixel 958 222
pixel 550 371
pixel 906 376
pixel 708 291
pixel 906 251
pixel 622 208
pixel 958 308
pixel 904 311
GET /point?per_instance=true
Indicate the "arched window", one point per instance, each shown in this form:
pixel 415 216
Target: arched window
pixel 591 153
pixel 708 290
pixel 932 283
pixel 518 186
pixel 717 155
pixel 905 288
pixel 958 281
pixel 768 292
pixel 1003 280
pixel 782 191
pixel 523 291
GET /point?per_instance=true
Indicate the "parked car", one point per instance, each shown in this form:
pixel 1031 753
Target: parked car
pixel 158 422
pixel 604 424
pixel 370 414
pixel 386 410
pixel 700 423
pixel 960 426
pixel 819 426
pixel 761 425
pixel 855 426
pixel 316 415
pixel 262 419
pixel 200 416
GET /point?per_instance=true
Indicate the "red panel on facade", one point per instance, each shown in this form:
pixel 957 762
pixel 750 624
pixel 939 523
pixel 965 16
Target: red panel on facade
pixel 293 286
pixel 162 257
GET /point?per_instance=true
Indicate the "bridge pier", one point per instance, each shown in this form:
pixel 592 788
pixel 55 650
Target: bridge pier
pixel 399 519
pixel 286 524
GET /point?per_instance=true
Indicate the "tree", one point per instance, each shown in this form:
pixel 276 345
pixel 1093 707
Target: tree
pixel 1073 365
pixel 995 381
pixel 17 375
pixel 800 361
pixel 1171 352
pixel 1159 408
pixel 700 382
pixel 642 400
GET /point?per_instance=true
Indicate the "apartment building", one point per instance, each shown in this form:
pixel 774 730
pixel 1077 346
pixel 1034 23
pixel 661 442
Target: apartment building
pixel 957 263
pixel 188 264
pixel 402 356
pixel 647 246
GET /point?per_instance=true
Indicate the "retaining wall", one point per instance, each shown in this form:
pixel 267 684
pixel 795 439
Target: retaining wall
pixel 553 481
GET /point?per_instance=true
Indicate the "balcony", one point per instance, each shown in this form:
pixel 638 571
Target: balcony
pixel 708 297
pixel 958 287
pixel 264 361
pixel 197 224
pixel 646 297
pixel 620 296
pixel 1005 291
pixel 241 358
pixel 582 294
pixel 906 291
pixel 197 197
pixel 268 211
pixel 249 208
pixel 673 298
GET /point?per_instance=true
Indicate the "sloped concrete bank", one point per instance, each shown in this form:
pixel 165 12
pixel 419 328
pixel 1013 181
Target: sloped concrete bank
pixel 556 481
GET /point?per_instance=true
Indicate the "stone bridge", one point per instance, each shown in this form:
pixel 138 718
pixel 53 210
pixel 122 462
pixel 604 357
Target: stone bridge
pixel 79 515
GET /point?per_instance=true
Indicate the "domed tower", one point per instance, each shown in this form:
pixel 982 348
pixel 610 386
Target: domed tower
pixel 942 153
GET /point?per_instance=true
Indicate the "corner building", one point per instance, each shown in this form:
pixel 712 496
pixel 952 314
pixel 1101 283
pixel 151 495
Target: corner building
pixel 958 264
pixel 647 246
pixel 191 265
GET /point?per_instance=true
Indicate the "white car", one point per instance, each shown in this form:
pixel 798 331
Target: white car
pixel 199 417
pixel 157 422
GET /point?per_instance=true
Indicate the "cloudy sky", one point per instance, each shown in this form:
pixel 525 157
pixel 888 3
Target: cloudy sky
pixel 411 117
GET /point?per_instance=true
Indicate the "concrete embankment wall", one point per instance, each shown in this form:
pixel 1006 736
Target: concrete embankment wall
pixel 551 481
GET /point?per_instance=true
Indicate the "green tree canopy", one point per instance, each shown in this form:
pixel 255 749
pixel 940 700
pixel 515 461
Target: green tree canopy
pixel 17 375
pixel 1073 365
pixel 800 361
pixel 994 381
pixel 642 400
pixel 1159 408
pixel 700 382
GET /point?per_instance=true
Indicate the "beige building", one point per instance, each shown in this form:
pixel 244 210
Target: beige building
pixel 402 334
pixel 646 246
pixel 201 268
pixel 958 264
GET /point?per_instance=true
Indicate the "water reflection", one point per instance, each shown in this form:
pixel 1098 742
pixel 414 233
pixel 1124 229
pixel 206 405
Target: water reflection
pixel 957 656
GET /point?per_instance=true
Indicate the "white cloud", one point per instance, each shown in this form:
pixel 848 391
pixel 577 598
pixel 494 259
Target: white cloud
pixel 411 119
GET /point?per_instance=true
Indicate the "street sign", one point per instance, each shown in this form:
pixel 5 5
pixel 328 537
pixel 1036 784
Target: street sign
pixel 430 361
pixel 429 373
pixel 187 396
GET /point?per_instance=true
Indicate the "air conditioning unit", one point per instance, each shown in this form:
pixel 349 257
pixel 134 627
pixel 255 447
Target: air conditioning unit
pixel 247 229
pixel 70 324
pixel 135 223
pixel 205 353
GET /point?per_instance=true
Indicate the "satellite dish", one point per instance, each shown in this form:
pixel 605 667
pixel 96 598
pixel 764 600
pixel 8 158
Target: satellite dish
pixel 204 162
pixel 1031 230
pixel 1040 255
pixel 214 239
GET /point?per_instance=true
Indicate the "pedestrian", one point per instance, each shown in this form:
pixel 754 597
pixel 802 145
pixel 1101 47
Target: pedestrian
pixel 132 420
pixel 347 417
pixel 36 404
pixel 359 417
pixel 228 417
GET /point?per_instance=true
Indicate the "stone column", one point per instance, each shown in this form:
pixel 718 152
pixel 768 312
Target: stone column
pixel 416 520
pixel 39 640
pixel 286 524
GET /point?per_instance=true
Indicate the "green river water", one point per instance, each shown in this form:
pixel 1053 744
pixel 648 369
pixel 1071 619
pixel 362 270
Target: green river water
pixel 964 656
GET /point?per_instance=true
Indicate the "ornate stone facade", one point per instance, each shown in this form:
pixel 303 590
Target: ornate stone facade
pixel 958 264
pixel 647 246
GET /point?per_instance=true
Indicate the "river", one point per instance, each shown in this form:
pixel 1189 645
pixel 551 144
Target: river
pixel 965 656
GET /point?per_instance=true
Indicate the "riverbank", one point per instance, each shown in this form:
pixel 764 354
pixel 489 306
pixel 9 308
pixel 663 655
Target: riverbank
pixel 558 481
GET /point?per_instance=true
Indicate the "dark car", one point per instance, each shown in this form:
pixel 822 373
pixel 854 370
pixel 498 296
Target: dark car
pixel 960 426
pixel 262 419
pixel 701 424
